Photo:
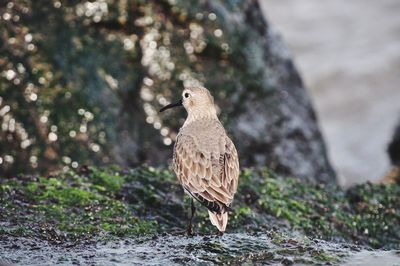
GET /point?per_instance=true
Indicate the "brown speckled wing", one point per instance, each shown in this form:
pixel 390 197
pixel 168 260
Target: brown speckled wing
pixel 210 177
pixel 231 171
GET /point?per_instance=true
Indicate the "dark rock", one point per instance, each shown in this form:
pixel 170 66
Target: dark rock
pixel 394 147
pixel 113 73
pixel 393 150
pixel 279 130
pixel 287 261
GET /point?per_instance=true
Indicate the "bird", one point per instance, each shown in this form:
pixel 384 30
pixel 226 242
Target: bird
pixel 205 159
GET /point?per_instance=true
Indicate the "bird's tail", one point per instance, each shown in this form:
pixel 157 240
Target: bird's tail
pixel 220 220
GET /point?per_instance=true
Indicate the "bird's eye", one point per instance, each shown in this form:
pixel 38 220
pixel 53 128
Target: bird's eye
pixel 187 95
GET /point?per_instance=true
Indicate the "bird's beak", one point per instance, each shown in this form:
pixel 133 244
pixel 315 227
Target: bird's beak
pixel 172 105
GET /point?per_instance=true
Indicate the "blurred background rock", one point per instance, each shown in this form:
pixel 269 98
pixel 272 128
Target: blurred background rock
pixel 82 82
pixel 348 53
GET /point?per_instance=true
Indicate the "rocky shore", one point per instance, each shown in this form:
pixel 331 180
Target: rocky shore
pixel 138 214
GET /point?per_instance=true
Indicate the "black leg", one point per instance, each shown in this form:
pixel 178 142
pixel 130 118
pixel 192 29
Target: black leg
pixel 193 209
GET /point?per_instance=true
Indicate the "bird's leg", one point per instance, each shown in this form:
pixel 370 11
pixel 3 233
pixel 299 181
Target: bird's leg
pixel 193 209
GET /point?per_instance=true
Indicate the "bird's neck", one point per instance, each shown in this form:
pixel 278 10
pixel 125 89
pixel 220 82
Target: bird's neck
pixel 194 115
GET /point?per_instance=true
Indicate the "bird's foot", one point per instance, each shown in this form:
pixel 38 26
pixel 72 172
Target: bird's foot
pixel 189 231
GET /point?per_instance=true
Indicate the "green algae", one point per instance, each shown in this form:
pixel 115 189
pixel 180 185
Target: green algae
pixel 109 181
pixel 366 214
pixel 70 205
pixel 123 202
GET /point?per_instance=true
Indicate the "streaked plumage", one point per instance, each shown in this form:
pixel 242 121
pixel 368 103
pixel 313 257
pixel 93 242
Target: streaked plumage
pixel 205 159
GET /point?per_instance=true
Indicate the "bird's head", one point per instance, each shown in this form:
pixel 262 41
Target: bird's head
pixel 197 101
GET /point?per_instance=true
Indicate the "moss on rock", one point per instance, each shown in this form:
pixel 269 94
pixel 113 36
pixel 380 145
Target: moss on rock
pixel 68 206
pixel 114 201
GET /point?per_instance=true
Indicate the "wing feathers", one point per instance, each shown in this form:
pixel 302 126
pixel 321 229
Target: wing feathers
pixel 212 175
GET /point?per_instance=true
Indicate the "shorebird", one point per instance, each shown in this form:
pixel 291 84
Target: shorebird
pixel 205 159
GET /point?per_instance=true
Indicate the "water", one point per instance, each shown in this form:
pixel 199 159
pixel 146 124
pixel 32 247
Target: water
pixel 348 53
pixel 373 258
pixel 236 248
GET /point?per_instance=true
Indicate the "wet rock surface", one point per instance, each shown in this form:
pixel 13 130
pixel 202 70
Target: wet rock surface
pixel 233 249
pixel 120 216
